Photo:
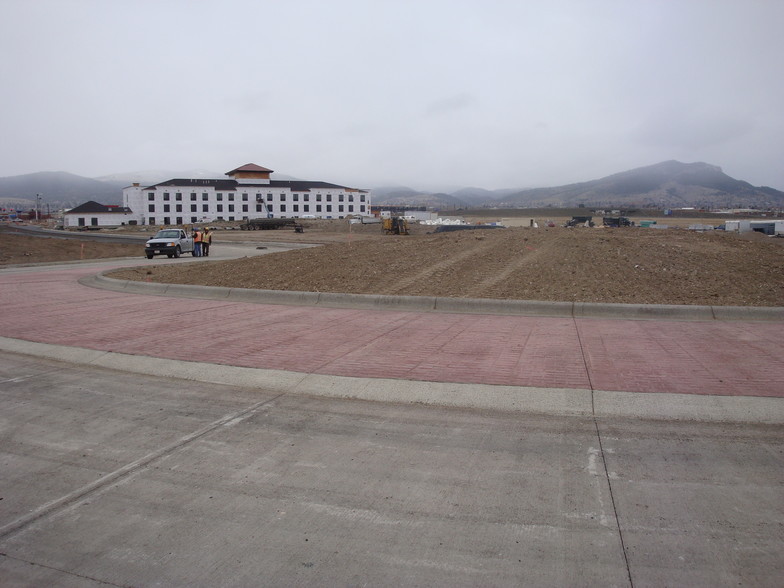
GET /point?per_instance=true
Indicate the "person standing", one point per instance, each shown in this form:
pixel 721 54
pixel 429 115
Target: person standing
pixel 197 239
pixel 206 241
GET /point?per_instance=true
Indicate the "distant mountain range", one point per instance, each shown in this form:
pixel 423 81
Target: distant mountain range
pixel 670 184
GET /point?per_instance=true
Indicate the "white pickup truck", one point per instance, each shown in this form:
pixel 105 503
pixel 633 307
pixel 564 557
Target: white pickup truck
pixel 171 242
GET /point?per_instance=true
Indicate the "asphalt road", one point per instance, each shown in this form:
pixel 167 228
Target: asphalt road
pixel 129 480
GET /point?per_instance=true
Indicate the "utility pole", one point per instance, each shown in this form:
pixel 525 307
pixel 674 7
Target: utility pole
pixel 37 206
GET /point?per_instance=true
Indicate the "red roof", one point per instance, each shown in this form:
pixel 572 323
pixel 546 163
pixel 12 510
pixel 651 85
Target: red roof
pixel 249 167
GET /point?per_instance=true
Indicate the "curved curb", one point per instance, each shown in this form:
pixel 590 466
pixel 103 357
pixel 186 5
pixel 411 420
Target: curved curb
pixel 581 402
pixel 440 304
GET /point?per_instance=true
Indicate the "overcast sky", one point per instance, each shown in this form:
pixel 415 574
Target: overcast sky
pixel 425 93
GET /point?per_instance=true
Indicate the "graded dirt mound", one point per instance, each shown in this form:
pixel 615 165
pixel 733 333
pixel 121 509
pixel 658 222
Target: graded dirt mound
pixel 23 249
pixel 630 265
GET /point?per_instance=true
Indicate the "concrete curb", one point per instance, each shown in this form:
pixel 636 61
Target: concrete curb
pixel 446 305
pixel 544 401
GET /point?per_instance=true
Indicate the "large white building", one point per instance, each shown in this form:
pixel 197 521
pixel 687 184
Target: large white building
pixel 249 193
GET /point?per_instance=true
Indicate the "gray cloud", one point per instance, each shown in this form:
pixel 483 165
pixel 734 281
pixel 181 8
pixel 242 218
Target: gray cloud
pixel 457 92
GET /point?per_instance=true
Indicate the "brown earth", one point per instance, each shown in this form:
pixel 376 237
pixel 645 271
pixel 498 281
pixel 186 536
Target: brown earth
pixel 630 265
pixel 22 249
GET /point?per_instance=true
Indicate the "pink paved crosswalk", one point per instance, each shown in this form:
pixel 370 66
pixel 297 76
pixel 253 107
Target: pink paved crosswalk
pixel 723 358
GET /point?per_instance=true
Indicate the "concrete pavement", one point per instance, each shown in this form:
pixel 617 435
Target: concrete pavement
pixel 232 449
pixel 121 479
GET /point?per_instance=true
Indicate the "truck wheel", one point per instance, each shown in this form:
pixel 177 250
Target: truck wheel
pixel 170 255
pixel 177 251
pixel 149 256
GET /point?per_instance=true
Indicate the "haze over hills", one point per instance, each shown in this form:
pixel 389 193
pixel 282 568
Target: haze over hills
pixel 58 189
pixel 670 184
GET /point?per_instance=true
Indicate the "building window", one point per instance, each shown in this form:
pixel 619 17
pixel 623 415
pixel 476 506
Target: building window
pixel 178 196
pixel 295 208
pixel 340 197
pixel 351 208
pixel 329 197
pixel 351 198
pixel 306 208
pixel 204 196
pixel 362 198
pixel 178 208
pixel 244 208
pixel 296 197
pixel 362 208
pixel 194 207
pixel 318 207
pixel 166 208
pixel 244 197
pixel 306 197
pixel 166 220
pixel 340 208
pixel 318 197
pixel 283 198
pixel 179 220
pixel 231 197
pixel 329 208
pixel 231 218
pixel 259 208
pixel 152 220
pixel 219 196
pixel 193 219
pixel 150 208
pixel 193 196
pixel 219 207
pixel 269 197
pixel 231 208
pixel 166 197
pixel 151 196
pixel 205 207
pixel 283 208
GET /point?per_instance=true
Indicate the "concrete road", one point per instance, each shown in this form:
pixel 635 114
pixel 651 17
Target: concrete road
pixel 130 480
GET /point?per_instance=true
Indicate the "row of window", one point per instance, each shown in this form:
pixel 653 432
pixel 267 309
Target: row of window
pixel 178 220
pixel 230 196
pixel 260 207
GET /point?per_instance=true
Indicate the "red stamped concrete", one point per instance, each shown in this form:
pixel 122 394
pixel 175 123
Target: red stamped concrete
pixel 724 358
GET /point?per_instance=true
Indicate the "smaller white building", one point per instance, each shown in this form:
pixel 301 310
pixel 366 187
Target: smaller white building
pixel 93 214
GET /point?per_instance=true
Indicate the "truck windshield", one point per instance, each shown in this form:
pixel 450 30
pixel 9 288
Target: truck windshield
pixel 170 234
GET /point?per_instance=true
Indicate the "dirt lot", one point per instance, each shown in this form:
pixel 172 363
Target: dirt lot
pixel 631 265
pixel 23 249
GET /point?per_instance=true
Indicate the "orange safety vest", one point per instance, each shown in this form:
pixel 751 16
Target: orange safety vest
pixel 197 237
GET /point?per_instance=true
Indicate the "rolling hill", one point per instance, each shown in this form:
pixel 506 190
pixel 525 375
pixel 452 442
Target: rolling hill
pixel 58 189
pixel 669 184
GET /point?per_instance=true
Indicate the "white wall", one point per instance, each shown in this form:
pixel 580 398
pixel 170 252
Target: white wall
pixel 97 219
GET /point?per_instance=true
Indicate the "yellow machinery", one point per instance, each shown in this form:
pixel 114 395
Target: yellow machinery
pixel 395 225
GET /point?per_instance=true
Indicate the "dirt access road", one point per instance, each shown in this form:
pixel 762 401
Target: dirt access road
pixel 629 265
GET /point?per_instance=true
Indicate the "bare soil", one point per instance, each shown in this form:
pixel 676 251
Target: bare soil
pixel 628 265
pixel 23 249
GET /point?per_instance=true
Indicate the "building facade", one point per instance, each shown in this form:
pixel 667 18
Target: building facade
pixel 93 214
pixel 248 193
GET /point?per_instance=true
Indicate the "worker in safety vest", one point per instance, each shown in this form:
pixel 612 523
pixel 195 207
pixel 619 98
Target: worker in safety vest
pixel 197 238
pixel 206 241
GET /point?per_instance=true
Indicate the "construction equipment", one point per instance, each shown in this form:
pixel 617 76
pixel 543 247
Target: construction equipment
pixel 586 221
pixel 617 221
pixel 395 225
pixel 265 224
